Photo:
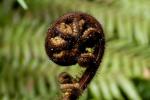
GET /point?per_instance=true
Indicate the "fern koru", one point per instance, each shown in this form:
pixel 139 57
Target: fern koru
pixel 75 38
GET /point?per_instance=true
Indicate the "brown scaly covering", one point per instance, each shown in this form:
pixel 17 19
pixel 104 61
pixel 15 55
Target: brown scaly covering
pixel 66 43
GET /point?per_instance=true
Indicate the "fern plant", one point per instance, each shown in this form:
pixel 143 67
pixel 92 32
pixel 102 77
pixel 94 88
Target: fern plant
pixel 26 72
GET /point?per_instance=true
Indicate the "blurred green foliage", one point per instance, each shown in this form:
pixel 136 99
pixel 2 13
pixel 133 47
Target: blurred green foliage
pixel 27 74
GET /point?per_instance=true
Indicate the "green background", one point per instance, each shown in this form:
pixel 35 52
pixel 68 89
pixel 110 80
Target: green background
pixel 26 73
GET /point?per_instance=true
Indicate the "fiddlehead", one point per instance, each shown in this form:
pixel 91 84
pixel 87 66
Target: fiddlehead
pixel 75 38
